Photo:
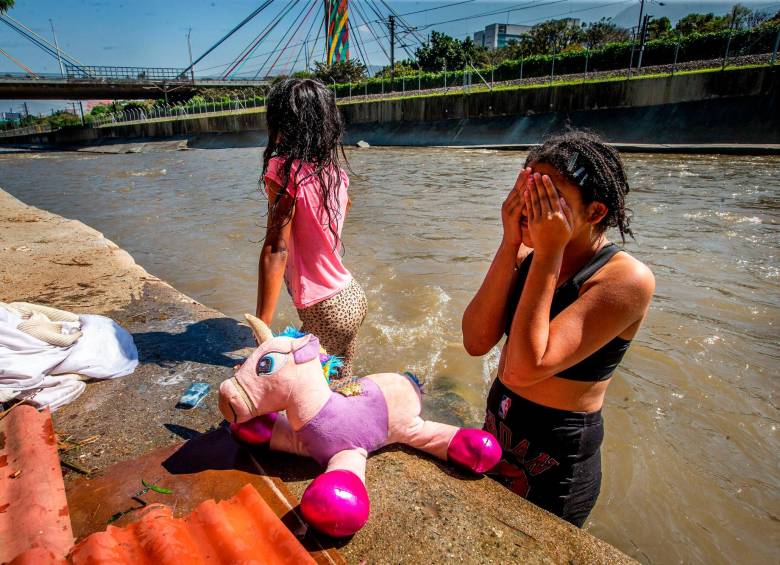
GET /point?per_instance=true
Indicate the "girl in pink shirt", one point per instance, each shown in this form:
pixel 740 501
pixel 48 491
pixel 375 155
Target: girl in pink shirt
pixel 307 204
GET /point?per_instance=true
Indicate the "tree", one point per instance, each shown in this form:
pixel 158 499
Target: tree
pixel 303 74
pixel 350 70
pixel 738 17
pixel 701 23
pixel 597 34
pixel 6 5
pixel 513 51
pixel 756 18
pixel 99 110
pixel 402 69
pixel 552 36
pixel 659 28
pixel 62 119
pixel 443 50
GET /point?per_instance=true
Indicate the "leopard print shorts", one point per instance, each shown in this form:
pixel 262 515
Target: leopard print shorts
pixel 335 321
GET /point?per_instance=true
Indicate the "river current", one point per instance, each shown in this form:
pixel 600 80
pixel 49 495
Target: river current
pixel 690 456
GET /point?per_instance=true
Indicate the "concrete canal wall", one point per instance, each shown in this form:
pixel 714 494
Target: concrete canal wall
pixel 731 107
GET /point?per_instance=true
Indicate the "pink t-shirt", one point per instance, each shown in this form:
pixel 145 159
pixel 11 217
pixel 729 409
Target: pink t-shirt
pixel 314 269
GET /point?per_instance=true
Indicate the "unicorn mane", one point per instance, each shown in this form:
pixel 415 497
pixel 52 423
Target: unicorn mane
pixel 330 363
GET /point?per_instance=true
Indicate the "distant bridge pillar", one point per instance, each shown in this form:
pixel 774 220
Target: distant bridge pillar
pixel 337 30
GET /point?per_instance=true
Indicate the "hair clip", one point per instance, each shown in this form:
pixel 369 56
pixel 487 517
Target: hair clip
pixel 580 175
pixel 572 161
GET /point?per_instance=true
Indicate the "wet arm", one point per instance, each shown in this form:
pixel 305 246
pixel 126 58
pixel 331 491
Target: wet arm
pixel 484 319
pixel 273 257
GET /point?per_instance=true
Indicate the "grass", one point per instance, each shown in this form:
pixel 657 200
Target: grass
pixel 459 91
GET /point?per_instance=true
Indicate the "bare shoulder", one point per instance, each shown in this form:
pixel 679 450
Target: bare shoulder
pixel 625 274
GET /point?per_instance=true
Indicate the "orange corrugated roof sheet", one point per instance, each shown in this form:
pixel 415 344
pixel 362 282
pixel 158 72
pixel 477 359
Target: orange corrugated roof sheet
pixel 33 508
pixel 242 529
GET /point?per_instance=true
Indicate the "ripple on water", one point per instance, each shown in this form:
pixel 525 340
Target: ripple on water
pixel 690 455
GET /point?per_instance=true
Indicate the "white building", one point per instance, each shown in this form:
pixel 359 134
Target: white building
pixel 499 35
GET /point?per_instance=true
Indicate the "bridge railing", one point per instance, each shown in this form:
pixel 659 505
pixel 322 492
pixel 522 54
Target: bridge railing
pixel 152 74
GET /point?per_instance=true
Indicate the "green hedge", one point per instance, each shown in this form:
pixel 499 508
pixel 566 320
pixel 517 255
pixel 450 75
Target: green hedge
pixel 695 47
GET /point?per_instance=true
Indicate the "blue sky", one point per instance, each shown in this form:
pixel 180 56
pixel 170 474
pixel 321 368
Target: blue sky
pixel 153 33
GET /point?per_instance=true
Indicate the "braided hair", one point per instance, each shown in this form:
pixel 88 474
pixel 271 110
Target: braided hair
pixel 595 167
pixel 304 125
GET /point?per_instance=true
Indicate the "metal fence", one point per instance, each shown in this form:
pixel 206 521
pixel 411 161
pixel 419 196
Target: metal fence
pixel 628 60
pixel 42 128
pixel 205 107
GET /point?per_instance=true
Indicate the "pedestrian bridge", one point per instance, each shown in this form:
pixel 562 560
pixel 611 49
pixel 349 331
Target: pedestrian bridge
pixel 116 83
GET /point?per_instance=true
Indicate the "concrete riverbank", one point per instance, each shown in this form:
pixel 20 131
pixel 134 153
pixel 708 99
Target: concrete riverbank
pixel 734 108
pixel 422 510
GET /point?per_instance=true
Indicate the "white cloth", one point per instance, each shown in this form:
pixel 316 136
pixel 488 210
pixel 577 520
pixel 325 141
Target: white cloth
pixel 104 351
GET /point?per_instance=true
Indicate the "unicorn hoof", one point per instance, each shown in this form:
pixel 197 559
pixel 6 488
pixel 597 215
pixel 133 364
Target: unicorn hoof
pixel 474 449
pixel 336 503
pixel 256 431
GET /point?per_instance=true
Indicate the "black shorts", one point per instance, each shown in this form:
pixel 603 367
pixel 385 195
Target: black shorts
pixel 550 457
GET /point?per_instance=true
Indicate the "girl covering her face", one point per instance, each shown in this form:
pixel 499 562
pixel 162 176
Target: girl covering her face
pixel 569 302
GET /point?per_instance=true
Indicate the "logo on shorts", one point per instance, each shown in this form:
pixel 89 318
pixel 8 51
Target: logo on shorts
pixel 503 408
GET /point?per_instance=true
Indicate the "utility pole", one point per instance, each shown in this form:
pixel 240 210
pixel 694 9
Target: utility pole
pixel 731 32
pixel 391 24
pixel 26 111
pixel 189 48
pixel 642 40
pixel 81 107
pixel 57 46
pixel 638 28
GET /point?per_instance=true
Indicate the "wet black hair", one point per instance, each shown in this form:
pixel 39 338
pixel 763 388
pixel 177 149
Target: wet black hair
pixel 595 167
pixel 304 124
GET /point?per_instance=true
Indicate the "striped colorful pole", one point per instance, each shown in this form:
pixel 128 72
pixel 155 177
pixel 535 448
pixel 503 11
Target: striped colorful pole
pixel 336 20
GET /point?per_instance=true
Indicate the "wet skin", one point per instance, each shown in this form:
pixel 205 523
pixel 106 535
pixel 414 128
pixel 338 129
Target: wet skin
pixel 545 212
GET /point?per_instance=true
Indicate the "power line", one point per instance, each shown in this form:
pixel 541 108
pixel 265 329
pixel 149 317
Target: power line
pixel 493 13
pixel 370 27
pixel 409 28
pixel 378 37
pixel 436 8
pixel 359 41
pixel 231 32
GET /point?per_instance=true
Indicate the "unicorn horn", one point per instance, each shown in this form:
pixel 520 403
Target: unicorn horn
pixel 262 332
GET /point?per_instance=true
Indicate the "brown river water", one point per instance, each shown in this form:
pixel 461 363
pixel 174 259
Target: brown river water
pixel 691 449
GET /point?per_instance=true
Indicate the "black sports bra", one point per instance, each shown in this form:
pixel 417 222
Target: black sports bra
pixel 599 365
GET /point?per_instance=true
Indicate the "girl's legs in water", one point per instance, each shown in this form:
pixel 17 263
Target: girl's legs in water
pixel 335 321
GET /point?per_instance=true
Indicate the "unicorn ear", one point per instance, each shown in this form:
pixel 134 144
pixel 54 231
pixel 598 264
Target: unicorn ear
pixel 262 332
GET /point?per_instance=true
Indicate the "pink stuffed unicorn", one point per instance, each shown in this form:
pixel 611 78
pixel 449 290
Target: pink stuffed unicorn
pixel 338 431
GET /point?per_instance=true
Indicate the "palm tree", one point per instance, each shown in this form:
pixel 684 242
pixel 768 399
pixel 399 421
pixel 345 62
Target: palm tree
pixel 6 5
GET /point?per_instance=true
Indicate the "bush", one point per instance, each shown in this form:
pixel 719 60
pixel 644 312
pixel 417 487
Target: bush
pixel 613 56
